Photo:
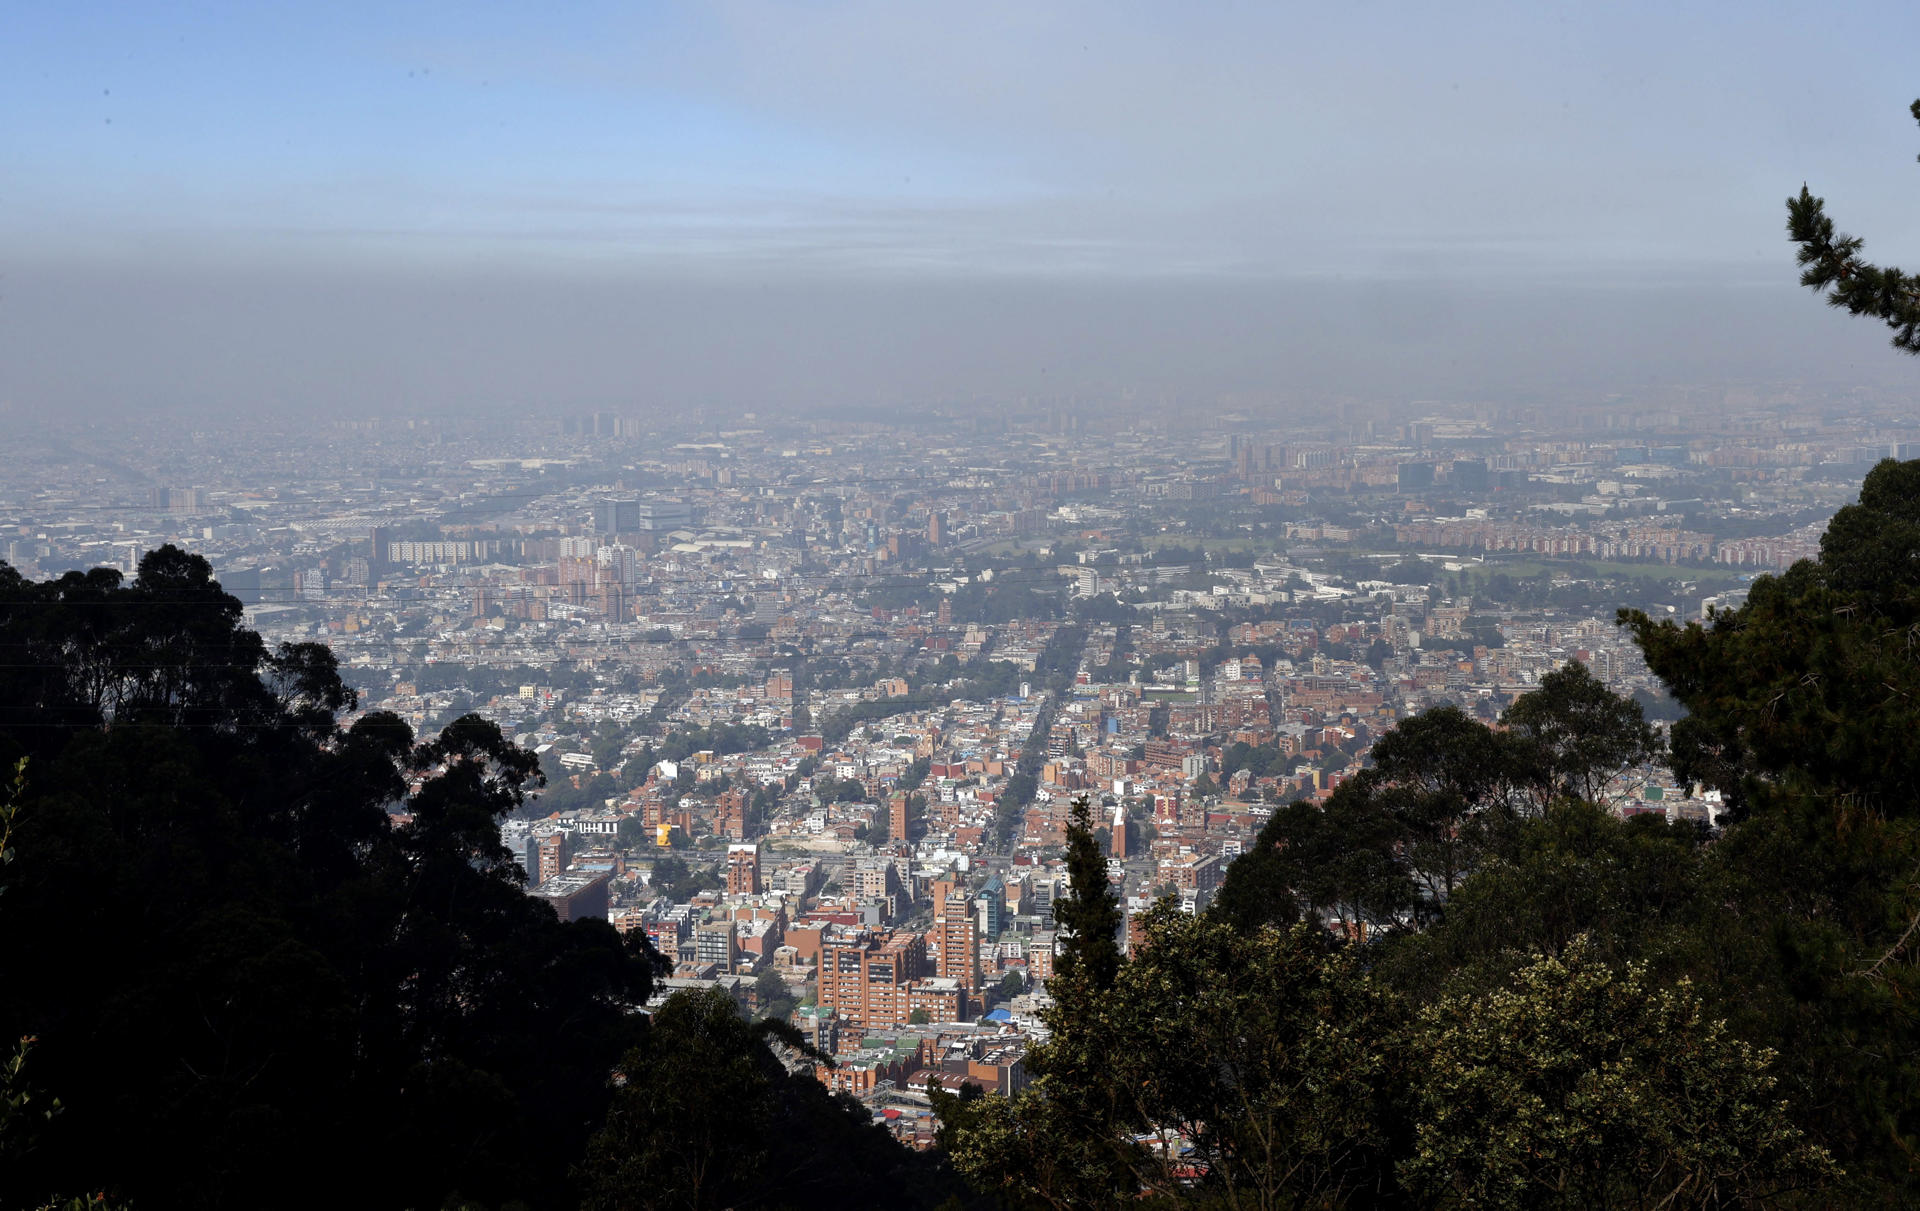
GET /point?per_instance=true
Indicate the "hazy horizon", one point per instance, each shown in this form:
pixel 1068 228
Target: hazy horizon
pixel 783 206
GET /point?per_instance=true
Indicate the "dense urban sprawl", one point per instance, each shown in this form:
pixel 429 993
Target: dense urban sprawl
pixel 813 699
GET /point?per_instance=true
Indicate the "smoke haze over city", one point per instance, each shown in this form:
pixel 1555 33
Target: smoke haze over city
pixel 860 204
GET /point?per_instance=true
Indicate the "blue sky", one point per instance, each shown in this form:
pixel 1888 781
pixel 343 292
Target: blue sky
pixel 1363 138
pixel 222 152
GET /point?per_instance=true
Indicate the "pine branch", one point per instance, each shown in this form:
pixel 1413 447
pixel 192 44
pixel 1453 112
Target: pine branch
pixel 1831 266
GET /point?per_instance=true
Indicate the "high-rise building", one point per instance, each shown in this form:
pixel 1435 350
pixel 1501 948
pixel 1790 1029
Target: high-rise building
pixel 990 907
pixel 743 870
pixel 616 516
pixel 713 943
pixel 943 887
pixel 577 894
pixel 180 501
pixel 956 936
pixel 1415 477
pixel 1469 475
pixel 879 879
pixel 600 424
pixel 619 565
pixel 866 977
pixel 1040 955
pixel 662 515
pixel 547 856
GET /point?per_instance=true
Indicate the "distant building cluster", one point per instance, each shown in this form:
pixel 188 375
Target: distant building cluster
pixel 441 552
pixel 812 698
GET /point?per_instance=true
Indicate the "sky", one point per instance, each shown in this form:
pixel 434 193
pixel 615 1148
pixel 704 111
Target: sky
pixel 383 206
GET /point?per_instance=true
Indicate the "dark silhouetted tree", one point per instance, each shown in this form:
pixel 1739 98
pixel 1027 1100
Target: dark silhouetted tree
pixel 1831 265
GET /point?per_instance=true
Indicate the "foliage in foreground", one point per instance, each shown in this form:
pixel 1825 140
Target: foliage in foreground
pixel 269 961
pixel 1553 1006
pixel 707 1116
pixel 1245 1066
pixel 1831 266
pixel 1269 1067
pixel 1580 1085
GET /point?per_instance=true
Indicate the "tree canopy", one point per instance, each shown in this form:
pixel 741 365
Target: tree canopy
pixel 706 1115
pixel 248 943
